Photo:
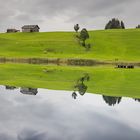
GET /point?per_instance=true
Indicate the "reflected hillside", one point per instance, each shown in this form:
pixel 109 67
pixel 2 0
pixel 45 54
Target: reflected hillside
pixel 111 101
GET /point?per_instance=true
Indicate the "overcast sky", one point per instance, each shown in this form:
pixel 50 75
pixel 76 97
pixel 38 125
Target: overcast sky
pixel 52 15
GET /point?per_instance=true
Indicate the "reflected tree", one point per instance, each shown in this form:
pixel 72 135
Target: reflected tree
pixel 111 101
pixel 80 86
pixel 136 99
pixel 29 91
pixel 74 95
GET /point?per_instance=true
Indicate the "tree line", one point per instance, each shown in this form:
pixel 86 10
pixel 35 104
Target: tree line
pixel 115 23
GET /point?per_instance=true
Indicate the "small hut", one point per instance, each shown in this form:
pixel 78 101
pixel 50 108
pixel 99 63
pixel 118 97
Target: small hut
pixel 12 30
pixel 30 28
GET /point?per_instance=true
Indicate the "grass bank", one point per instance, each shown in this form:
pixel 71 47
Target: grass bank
pixel 109 45
pixel 103 80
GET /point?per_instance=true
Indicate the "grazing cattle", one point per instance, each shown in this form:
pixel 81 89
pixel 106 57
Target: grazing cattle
pixel 126 66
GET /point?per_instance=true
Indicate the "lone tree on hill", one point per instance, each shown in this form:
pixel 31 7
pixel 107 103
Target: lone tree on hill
pixel 84 36
pixel 115 24
pixel 138 26
pixel 76 27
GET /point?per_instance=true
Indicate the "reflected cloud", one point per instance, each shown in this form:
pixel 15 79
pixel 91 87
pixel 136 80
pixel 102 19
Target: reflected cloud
pixel 51 116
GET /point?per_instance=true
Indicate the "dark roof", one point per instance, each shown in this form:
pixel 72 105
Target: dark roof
pixel 30 26
pixel 11 29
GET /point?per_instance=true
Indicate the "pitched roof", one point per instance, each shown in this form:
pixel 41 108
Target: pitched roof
pixel 30 26
pixel 11 29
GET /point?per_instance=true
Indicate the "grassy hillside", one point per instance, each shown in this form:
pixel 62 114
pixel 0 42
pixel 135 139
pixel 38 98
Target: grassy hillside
pixel 103 80
pixel 106 45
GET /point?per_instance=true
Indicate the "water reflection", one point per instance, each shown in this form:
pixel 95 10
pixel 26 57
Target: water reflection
pixel 29 91
pixel 111 101
pixel 136 99
pixel 26 91
pixel 80 86
pixel 53 115
pixel 10 87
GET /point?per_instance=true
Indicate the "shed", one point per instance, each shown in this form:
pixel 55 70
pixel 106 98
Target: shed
pixel 12 30
pixel 30 28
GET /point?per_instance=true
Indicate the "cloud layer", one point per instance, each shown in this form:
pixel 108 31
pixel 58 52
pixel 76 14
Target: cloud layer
pixel 61 15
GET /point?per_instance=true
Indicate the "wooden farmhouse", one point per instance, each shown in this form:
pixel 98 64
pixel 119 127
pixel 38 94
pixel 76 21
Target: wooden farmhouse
pixel 30 28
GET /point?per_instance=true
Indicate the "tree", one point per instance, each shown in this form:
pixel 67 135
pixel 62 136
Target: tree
pixel 76 27
pixel 115 24
pixel 84 36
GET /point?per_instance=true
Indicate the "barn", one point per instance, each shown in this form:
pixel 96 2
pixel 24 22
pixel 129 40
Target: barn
pixel 30 28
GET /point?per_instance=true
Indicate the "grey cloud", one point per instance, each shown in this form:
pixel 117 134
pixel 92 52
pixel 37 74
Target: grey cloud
pixel 15 13
pixel 31 135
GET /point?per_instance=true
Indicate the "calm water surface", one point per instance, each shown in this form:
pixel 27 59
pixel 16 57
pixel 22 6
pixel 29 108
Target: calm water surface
pixel 41 114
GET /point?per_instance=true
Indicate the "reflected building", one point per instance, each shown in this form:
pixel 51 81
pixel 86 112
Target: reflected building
pixel 29 91
pixel 111 101
pixel 10 87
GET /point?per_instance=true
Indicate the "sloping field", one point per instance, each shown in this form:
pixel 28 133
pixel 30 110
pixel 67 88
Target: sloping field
pixel 109 45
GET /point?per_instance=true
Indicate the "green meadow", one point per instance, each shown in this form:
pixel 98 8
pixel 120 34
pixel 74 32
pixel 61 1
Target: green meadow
pixel 108 45
pixel 103 80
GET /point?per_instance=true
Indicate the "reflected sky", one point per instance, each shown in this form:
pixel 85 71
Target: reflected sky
pixel 55 115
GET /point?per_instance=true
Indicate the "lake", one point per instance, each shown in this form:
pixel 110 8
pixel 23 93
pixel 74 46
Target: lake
pixel 42 114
